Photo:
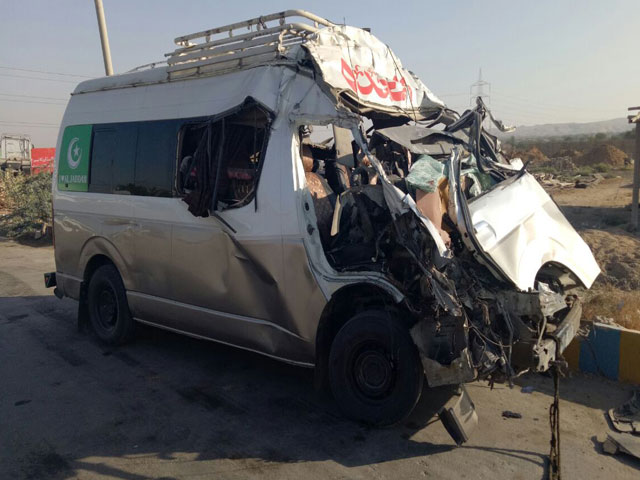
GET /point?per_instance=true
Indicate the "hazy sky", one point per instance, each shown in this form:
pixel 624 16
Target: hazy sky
pixel 547 61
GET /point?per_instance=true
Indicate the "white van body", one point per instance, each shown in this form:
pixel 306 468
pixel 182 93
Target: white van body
pixel 167 257
pixel 257 277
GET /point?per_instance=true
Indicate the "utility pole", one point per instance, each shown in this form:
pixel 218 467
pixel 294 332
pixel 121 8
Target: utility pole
pixel 480 89
pixel 477 89
pixel 104 38
pixel 636 170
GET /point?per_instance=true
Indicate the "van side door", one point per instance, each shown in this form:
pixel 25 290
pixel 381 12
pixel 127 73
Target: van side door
pixel 220 261
pixel 227 251
pixel 154 205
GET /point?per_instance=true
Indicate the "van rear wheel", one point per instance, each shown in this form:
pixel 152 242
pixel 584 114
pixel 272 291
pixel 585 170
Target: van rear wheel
pixel 374 369
pixel 108 307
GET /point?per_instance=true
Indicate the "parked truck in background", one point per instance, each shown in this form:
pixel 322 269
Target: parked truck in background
pixel 15 152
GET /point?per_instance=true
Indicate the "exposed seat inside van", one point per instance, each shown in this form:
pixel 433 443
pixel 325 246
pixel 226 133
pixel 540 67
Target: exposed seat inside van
pixel 337 176
pixel 324 199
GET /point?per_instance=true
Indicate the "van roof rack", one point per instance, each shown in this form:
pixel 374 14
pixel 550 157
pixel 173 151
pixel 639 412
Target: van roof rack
pixel 211 51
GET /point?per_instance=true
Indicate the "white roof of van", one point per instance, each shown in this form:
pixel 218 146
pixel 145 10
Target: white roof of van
pixel 123 80
pixel 354 67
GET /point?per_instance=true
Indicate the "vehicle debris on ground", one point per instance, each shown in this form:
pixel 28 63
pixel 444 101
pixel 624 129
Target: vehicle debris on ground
pixel 626 417
pixel 625 420
pixel 616 443
pixel 510 414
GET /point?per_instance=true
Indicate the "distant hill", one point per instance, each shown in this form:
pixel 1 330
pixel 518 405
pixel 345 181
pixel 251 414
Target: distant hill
pixel 617 125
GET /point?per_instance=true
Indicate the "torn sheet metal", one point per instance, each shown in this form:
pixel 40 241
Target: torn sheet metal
pixel 459 416
pixel 568 328
pixel 398 201
pixel 498 123
pixel 424 141
pixel 550 302
pixel 530 304
pixel 622 443
pixel 457 372
pixel 504 220
pixel 626 420
pixel 442 347
pixel 520 228
pixel 516 317
pixel 355 64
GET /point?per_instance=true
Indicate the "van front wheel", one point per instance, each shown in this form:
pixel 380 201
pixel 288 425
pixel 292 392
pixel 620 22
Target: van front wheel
pixel 374 369
pixel 108 308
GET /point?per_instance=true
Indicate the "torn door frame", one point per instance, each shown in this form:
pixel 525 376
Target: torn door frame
pixel 348 116
pixel 329 280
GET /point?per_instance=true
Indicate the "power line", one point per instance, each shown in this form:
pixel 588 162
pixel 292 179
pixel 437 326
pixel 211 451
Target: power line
pixel 32 101
pixel 45 72
pixel 544 104
pixel 38 78
pixel 30 123
pixel 530 111
pixel 31 126
pixel 542 112
pixel 452 94
pixel 530 103
pixel 33 96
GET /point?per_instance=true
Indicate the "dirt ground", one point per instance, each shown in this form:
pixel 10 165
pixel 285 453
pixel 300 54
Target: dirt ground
pixel 172 407
pixel 601 214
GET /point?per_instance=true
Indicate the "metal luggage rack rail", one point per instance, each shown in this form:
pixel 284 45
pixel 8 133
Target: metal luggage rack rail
pixel 210 51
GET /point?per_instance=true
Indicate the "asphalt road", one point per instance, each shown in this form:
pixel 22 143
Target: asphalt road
pixel 168 406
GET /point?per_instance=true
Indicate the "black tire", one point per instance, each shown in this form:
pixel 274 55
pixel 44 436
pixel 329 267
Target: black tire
pixel 374 369
pixel 108 307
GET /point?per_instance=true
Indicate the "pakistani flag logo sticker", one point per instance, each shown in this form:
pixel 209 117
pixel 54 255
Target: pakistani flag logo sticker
pixel 74 154
pixel 73 166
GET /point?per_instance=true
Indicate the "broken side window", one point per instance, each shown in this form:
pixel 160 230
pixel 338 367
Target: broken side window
pixel 219 159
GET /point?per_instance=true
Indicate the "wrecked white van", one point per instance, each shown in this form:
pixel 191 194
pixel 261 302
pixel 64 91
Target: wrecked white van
pixel 291 189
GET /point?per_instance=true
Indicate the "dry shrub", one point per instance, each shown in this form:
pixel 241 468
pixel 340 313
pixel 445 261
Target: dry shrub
pixel 618 255
pixel 611 302
pixel 27 198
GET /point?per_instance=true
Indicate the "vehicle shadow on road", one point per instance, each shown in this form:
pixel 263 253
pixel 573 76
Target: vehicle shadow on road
pixel 29 240
pixel 576 387
pixel 171 400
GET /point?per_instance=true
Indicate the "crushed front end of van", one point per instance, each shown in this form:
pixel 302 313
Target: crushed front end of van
pixel 489 268
pixel 498 296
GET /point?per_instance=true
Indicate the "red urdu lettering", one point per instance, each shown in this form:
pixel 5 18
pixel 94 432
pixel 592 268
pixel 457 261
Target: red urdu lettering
pixel 382 93
pixel 348 75
pixel 363 89
pixel 396 89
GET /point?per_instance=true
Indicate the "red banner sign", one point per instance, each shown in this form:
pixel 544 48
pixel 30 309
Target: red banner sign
pixel 42 159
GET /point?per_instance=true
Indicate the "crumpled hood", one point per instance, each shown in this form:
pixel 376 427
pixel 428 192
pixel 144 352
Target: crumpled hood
pixel 520 227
